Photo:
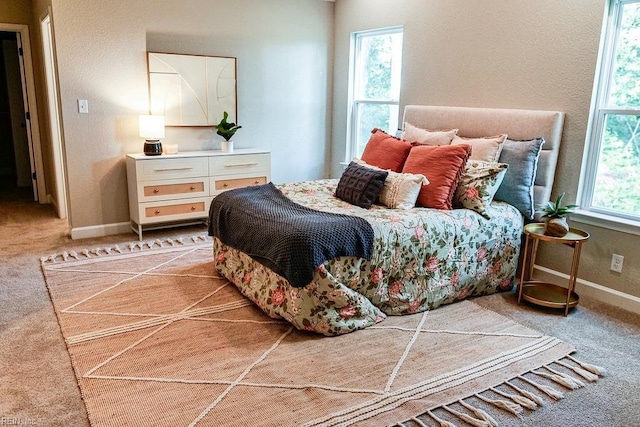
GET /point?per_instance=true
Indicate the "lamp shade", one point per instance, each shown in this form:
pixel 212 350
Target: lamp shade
pixel 152 127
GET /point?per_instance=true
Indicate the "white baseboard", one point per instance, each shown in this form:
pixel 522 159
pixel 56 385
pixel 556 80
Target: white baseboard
pixel 583 287
pixel 100 230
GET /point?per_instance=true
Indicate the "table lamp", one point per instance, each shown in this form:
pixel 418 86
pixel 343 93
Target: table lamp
pixel 152 128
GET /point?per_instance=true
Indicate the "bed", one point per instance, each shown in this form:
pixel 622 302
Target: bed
pixel 420 257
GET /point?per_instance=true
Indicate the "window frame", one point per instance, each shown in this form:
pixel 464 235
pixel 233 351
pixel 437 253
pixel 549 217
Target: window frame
pixel 354 103
pixel 587 213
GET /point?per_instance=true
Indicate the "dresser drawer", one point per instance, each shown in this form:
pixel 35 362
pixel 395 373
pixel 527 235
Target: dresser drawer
pixel 157 169
pixel 176 210
pixel 165 191
pixel 174 189
pixel 239 164
pixel 224 183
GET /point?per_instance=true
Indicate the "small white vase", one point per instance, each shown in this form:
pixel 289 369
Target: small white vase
pixel 227 146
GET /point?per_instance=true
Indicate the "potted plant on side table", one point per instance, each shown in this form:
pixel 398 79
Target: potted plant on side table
pixel 555 215
pixel 226 130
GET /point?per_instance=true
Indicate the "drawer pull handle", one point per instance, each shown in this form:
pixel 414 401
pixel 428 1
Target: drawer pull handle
pixel 157 211
pixel 192 188
pixel 172 169
pixel 225 185
pixel 256 182
pixel 236 165
pixel 193 208
pixel 155 190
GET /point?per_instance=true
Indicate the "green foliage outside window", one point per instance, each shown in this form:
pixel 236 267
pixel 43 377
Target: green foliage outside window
pixel 378 84
pixel 618 176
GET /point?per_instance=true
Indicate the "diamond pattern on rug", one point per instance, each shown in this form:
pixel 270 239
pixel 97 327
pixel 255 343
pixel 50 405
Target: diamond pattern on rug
pixel 157 338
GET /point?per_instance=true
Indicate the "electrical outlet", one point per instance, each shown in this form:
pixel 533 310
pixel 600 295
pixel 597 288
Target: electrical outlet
pixel 616 263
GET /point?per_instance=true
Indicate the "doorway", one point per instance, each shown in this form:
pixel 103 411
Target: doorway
pixel 21 166
pixel 15 168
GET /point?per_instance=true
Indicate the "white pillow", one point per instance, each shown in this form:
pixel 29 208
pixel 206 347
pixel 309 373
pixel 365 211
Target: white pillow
pixel 420 136
pixel 486 149
pixel 400 190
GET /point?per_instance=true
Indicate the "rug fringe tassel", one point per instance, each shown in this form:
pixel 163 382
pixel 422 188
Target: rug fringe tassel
pixel 480 413
pixel 549 391
pixel 589 367
pixel 443 423
pixel 531 396
pixel 558 379
pixel 576 383
pixel 512 407
pixel 420 423
pixel 589 376
pixel 131 247
pixel 467 418
pixel 525 398
pixel 520 400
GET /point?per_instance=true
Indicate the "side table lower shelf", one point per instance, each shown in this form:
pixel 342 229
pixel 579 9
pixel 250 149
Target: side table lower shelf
pixel 548 295
pixel 543 293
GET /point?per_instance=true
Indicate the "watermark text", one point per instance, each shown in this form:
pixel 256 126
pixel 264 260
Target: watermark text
pixel 18 421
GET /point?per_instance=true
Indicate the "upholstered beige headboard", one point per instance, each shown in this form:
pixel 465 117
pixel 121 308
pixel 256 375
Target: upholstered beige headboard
pixel 517 124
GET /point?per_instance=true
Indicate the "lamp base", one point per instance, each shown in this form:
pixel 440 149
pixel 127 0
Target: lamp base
pixel 152 148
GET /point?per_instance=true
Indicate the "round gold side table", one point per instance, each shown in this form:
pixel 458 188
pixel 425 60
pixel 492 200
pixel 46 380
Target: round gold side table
pixel 543 293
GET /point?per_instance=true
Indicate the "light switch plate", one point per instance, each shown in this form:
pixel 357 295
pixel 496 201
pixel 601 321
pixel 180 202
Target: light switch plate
pixel 83 106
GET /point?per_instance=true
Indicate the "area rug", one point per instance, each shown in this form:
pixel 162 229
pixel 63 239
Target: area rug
pixel 157 338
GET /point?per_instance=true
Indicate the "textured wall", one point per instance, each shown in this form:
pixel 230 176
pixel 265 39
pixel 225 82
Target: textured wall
pixel 283 51
pixel 505 54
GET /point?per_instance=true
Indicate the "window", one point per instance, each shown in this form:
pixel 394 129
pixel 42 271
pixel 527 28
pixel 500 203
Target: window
pixel 376 62
pixel 611 168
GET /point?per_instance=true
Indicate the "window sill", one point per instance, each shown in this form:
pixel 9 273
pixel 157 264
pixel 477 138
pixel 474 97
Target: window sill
pixel 606 221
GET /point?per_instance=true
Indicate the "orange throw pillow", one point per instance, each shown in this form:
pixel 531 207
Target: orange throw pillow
pixel 443 166
pixel 386 151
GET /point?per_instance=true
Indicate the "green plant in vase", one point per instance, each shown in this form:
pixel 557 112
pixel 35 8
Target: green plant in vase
pixel 554 215
pixel 226 130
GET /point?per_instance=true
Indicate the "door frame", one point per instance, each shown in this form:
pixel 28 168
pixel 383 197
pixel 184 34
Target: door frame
pixel 29 92
pixel 57 144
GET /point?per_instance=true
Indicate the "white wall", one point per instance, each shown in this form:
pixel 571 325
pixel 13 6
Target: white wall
pixel 284 53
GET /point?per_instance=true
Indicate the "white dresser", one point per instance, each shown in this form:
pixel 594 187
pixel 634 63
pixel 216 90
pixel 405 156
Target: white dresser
pixel 177 189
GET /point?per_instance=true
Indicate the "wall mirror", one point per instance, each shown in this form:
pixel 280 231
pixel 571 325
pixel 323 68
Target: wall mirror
pixel 192 90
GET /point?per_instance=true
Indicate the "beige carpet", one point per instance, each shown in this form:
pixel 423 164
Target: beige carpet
pixel 156 338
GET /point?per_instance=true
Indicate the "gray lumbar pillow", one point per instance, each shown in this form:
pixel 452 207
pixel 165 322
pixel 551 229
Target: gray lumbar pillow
pixel 517 186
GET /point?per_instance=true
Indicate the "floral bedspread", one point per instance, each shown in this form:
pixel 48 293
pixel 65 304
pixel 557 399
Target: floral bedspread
pixel 422 258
